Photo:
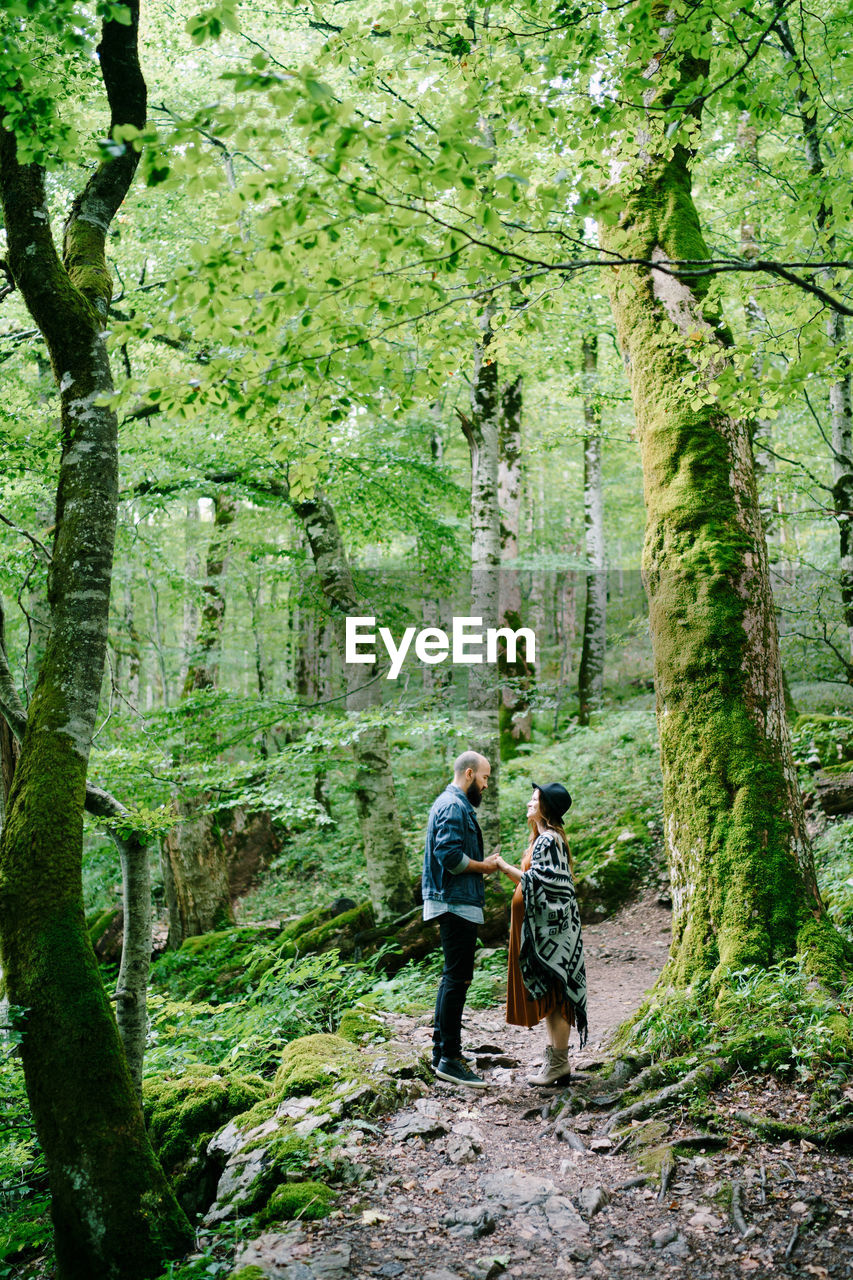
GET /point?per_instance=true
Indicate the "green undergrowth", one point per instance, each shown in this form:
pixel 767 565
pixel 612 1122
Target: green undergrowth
pixel 412 989
pixel 774 1019
pixel 822 742
pixel 833 851
pixel 25 1228
pixel 290 997
pixel 822 698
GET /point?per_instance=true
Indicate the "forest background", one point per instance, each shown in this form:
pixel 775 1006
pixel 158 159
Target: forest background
pixel 372 348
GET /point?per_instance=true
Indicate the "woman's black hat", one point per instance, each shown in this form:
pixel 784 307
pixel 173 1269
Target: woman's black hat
pixel 554 800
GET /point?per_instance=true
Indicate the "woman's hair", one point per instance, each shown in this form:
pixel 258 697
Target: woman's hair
pixel 557 829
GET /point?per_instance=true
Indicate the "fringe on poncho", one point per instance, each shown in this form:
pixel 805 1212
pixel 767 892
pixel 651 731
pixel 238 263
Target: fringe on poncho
pixel 551 953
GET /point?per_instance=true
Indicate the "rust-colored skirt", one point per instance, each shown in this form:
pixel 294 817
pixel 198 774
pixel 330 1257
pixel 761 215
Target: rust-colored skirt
pixel 521 1011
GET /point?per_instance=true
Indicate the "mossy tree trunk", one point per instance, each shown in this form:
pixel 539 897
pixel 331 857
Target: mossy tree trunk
pixel 743 879
pixel 481 431
pixel 515 677
pixel 132 844
pixel 591 668
pixel 114 1214
pixel 195 869
pixel 384 848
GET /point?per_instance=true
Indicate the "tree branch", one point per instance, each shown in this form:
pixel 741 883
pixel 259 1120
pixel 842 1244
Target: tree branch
pixel 84 248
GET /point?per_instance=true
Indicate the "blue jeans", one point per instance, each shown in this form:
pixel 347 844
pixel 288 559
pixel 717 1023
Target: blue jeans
pixel 458 942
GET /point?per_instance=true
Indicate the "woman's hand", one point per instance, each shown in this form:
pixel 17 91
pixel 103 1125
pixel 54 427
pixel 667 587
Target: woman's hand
pixel 509 870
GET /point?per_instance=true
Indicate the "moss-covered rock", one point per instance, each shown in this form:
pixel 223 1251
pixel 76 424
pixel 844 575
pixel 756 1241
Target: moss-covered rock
pixel 182 1113
pixel 306 923
pixel 312 1063
pixel 361 1023
pixel 323 1083
pixel 307 1200
pixel 340 931
pixel 248 1273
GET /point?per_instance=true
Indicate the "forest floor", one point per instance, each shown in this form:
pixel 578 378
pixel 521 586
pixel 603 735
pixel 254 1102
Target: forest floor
pixel 465 1185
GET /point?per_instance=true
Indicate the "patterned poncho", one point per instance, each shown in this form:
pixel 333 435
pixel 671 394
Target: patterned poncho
pixel 551 953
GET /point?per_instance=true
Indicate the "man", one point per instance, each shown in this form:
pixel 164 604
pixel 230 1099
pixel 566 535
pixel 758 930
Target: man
pixel 453 895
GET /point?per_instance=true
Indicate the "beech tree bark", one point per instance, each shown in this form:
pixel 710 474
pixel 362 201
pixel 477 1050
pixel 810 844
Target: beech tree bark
pixel 195 868
pixel 113 1212
pixel 515 677
pixel 388 875
pixel 743 879
pixel 591 669
pixel 481 431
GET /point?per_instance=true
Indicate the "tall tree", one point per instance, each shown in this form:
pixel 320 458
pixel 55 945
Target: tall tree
pixel 515 676
pixel 384 848
pixel 481 430
pixel 743 879
pixel 591 668
pixel 113 1211
pixel 195 867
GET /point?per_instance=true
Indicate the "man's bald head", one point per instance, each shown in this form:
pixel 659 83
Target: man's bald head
pixel 471 774
pixel 468 760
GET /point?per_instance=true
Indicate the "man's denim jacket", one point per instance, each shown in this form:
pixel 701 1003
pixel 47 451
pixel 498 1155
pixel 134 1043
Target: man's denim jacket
pixel 452 834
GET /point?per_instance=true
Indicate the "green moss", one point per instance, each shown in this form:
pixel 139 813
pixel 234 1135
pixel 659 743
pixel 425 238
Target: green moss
pixel 99 921
pixel 360 1023
pixel 654 1160
pixel 305 924
pixel 650 1134
pixel 183 1113
pixel 248 1273
pixel 85 262
pixel 339 932
pixel 826 953
pixel 306 1200
pixel 312 1063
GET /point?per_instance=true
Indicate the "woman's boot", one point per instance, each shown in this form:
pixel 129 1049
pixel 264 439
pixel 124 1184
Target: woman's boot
pixel 554 1068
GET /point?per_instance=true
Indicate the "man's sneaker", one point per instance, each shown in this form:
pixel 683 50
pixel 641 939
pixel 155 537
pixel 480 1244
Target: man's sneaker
pixel 554 1068
pixel 456 1071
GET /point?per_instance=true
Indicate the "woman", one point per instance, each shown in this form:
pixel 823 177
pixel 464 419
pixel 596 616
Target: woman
pixel 547 977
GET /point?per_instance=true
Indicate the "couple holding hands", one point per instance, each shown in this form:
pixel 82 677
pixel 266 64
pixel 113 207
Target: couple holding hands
pixel 546 978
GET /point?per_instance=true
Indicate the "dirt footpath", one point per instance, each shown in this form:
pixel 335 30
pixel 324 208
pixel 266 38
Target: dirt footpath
pixel 472 1186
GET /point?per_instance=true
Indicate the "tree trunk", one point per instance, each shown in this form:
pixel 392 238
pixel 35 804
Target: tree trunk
pixel 515 677
pixel 195 870
pixel 384 848
pixel 743 880
pixel 9 748
pixel 132 984
pixel 591 669
pixel 192 567
pixel 114 1214
pixel 481 431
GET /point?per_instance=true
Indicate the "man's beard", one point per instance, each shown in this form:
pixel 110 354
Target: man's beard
pixel 474 794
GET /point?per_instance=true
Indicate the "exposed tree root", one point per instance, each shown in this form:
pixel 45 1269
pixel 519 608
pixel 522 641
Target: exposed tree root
pixel 706 1076
pixel 838 1136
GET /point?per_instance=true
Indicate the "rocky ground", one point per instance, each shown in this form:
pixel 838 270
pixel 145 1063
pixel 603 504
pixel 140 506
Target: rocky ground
pixel 469 1186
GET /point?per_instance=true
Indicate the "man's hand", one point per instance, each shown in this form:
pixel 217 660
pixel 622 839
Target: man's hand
pixel 490 864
